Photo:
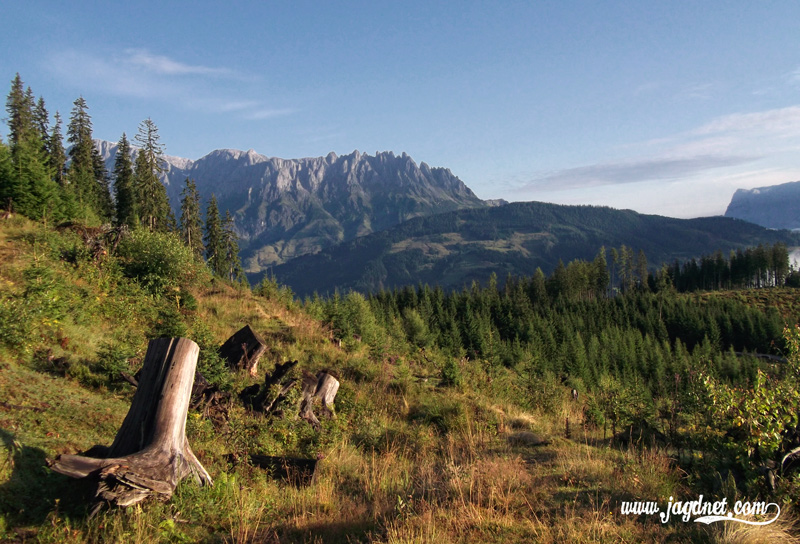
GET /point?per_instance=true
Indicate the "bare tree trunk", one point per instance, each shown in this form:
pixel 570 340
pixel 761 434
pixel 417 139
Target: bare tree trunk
pixel 150 453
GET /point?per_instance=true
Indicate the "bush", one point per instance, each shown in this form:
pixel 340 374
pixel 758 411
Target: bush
pixel 15 324
pixel 169 323
pixel 451 374
pixel 113 358
pixel 159 261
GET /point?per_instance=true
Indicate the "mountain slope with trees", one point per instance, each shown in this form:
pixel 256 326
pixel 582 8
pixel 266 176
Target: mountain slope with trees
pixel 453 249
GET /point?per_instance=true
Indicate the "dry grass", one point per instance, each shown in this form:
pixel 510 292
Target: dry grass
pixel 402 463
pixel 783 530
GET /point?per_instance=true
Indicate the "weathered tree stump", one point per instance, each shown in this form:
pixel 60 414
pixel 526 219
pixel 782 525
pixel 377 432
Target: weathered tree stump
pixel 244 349
pixel 150 453
pixel 323 386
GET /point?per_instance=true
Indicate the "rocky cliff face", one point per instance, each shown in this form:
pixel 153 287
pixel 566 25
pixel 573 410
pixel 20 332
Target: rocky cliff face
pixel 284 208
pixel 775 207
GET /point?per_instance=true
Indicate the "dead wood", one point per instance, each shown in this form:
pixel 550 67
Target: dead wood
pixel 209 399
pixel 243 350
pixel 322 387
pixel 262 398
pixel 150 453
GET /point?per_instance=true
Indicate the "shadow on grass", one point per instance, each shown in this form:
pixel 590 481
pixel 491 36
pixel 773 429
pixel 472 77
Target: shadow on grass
pixel 346 532
pixel 33 492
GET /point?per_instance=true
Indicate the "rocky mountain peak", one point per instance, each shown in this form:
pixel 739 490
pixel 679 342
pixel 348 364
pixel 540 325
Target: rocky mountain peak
pixel 284 208
pixel 776 206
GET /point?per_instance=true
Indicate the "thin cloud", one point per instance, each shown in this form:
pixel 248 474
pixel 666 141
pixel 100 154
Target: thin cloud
pixel 268 113
pixel 140 74
pixel 777 122
pixel 108 75
pixel 618 173
pixel 160 64
pixel 699 91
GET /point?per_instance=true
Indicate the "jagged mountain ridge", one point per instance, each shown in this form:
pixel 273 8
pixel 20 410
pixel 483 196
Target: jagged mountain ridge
pixel 284 208
pixel 775 207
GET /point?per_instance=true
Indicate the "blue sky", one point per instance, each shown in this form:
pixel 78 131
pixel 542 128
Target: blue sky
pixel 664 107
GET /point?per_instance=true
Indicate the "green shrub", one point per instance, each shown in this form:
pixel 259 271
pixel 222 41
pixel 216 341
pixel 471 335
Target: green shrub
pixel 169 323
pixel 446 415
pixel 157 260
pixel 112 358
pixel 451 374
pixel 15 324
pixel 209 363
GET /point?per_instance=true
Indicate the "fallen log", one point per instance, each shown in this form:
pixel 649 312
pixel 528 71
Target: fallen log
pixel 243 349
pixel 150 454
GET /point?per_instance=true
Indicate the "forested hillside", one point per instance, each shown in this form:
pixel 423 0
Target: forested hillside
pixel 453 249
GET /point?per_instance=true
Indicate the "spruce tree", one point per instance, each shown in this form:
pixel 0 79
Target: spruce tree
pixel 232 263
pixel 39 197
pixel 191 227
pixel 80 174
pixel 104 206
pixel 20 114
pixel 153 203
pixel 57 156
pixel 123 185
pixel 41 120
pixel 8 182
pixel 215 249
pixel 30 186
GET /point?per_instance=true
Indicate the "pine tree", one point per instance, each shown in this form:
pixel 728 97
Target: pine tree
pixel 41 120
pixel 57 156
pixel 191 227
pixel 153 203
pixel 20 114
pixel 232 263
pixel 80 174
pixel 601 276
pixel 8 182
pixel 104 206
pixel 123 185
pixel 39 198
pixel 215 249
pixel 30 186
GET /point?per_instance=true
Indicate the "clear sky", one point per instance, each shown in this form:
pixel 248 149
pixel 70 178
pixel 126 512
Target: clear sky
pixel 660 107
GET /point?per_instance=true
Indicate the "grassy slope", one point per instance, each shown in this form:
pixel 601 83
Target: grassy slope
pixel 404 461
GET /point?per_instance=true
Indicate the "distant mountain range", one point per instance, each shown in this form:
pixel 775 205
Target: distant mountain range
pixel 453 249
pixel 775 207
pixel 368 222
pixel 285 208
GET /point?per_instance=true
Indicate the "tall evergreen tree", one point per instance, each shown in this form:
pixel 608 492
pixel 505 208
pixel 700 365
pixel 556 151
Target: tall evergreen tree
pixel 8 182
pixel 57 156
pixel 20 114
pixel 80 174
pixel 123 185
pixel 30 186
pixel 233 265
pixel 104 206
pixel 153 203
pixel 215 248
pixel 191 227
pixel 41 121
